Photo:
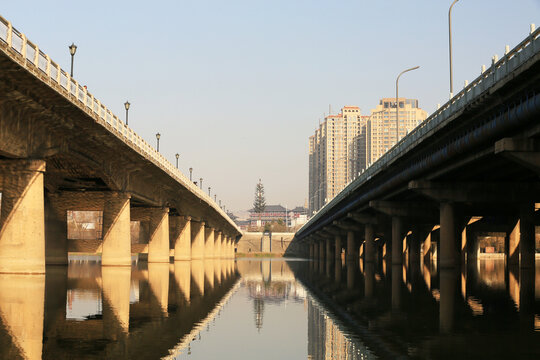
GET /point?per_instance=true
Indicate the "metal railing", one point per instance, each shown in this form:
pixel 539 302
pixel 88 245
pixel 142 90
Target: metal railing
pixel 498 70
pixel 29 56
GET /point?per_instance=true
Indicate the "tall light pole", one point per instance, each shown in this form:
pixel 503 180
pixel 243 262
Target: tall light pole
pixel 72 50
pixel 126 105
pixel 209 190
pixel 158 136
pixel 450 46
pixel 190 173
pixel 215 197
pixel 177 156
pixel 397 99
pixel 200 183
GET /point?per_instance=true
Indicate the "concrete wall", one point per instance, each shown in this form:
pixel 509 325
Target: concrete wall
pixel 250 242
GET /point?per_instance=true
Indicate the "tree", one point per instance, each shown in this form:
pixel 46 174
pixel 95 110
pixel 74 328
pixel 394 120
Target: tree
pixel 259 203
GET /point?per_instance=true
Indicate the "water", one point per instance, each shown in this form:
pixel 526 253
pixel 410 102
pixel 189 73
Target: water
pixel 269 309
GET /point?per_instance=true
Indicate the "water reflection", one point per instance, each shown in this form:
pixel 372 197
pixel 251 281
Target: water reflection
pixel 268 309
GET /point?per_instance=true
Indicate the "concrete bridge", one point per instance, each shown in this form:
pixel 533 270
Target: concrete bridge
pixel 471 167
pixel 61 149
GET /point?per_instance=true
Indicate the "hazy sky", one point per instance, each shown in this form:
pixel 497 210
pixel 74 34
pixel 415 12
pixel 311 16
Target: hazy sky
pixel 237 87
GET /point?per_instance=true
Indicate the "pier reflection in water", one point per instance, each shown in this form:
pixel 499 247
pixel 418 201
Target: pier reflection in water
pixel 268 309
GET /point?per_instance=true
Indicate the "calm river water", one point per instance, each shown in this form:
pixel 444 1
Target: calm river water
pixel 270 309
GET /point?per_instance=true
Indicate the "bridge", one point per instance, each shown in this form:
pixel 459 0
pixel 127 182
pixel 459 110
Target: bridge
pixel 471 168
pixel 62 150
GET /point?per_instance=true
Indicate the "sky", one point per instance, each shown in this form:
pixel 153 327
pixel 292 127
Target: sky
pixel 237 87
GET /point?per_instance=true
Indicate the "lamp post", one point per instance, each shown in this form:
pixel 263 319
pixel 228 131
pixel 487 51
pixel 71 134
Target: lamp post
pixel 72 50
pixel 450 45
pixel 200 183
pixel 177 156
pixel 126 105
pixel 158 136
pixel 397 99
pixel 215 197
pixel 209 190
pixel 190 173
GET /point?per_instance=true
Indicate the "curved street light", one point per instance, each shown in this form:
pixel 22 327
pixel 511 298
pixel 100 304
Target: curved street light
pixel 177 157
pixel 158 136
pixel 450 46
pixel 397 99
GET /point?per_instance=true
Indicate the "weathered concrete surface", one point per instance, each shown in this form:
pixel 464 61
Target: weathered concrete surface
pixel 250 242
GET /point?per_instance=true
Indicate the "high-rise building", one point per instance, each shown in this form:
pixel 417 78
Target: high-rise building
pixel 380 128
pixel 346 144
pixel 333 155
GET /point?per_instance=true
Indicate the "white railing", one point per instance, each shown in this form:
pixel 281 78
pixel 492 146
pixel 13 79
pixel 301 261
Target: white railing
pixel 28 55
pixel 498 70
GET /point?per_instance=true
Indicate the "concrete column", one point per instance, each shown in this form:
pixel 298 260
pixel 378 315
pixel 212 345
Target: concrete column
pixel 22 216
pixel 337 272
pixel 397 240
pixel 197 274
pixel 512 245
pixel 527 245
pixel 351 271
pixel 311 251
pixel 397 277
pixel 182 243
pixel 218 254
pixel 427 248
pixel 352 250
pixel 158 244
pixel 414 248
pixel 158 279
pixel 315 250
pixel 197 240
pixel 116 248
pixel 369 280
pixel 209 243
pixel 182 276
pixel 329 250
pixel 56 241
pixel 449 257
pixel 448 280
pixel 337 250
pixel 209 272
pixel 322 252
pixel 472 248
pixel 369 244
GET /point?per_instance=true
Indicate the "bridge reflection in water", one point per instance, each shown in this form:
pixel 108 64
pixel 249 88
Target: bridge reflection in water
pixel 268 309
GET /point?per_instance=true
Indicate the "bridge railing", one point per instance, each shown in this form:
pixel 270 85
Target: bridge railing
pixel 498 70
pixel 28 55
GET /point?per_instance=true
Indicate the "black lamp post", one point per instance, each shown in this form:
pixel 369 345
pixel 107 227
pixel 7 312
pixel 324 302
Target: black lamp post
pixel 215 197
pixel 158 135
pixel 177 156
pixel 72 50
pixel 126 105
pixel 190 173
pixel 209 190
pixel 200 183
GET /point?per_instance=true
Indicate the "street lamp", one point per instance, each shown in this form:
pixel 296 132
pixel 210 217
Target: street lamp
pixel 450 46
pixel 126 105
pixel 190 173
pixel 209 190
pixel 158 135
pixel 397 99
pixel 177 156
pixel 72 50
pixel 215 197
pixel 200 183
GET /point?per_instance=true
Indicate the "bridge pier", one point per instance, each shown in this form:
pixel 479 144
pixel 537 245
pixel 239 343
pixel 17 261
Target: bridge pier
pixel 448 258
pixel 182 238
pixel 337 250
pixel 116 248
pixel 22 230
pixel 369 244
pixel 329 252
pixel 157 223
pixel 397 240
pixel 322 244
pixel 352 248
pixel 218 252
pixel 197 240
pixel 56 235
pixel 208 243
pixel 527 245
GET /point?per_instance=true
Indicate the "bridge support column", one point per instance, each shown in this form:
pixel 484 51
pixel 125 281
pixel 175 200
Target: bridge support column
pixel 116 248
pixel 511 245
pixel 329 252
pixel 414 248
pixel 527 244
pixel 337 250
pixel 397 240
pixel 472 247
pixel 182 241
pixel 197 240
pixel 218 254
pixel 449 257
pixel 311 250
pixel 426 253
pixel 22 229
pixel 369 244
pixel 315 250
pixel 352 248
pixel 209 243
pixel 157 220
pixel 56 241
pixel 322 244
